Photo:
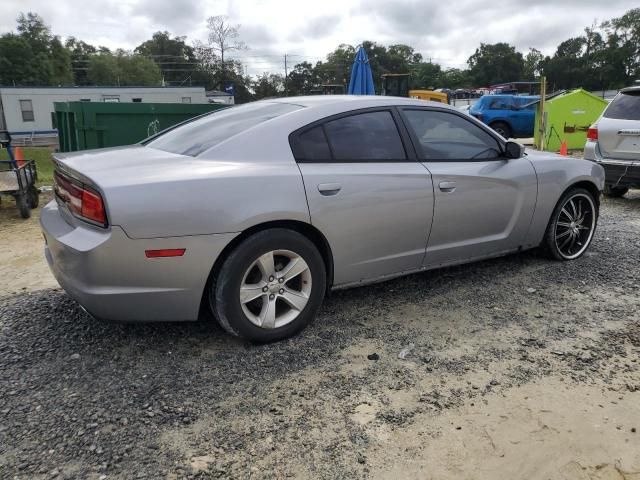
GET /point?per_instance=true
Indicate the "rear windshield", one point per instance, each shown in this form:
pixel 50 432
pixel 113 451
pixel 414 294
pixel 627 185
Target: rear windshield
pixel 625 106
pixel 195 137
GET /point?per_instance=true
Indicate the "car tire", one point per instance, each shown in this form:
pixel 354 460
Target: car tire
pixel 254 293
pixel 22 201
pixel 615 192
pixel 33 197
pixel 502 128
pixel 572 225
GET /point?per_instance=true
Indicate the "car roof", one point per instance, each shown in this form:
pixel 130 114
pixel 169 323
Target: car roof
pixel 354 101
pixel 510 95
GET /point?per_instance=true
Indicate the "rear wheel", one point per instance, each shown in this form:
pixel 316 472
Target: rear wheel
pixel 270 287
pixel 22 202
pixel 572 225
pixel 615 192
pixel 502 128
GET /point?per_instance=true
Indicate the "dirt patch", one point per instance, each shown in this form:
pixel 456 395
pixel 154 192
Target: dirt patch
pixel 22 264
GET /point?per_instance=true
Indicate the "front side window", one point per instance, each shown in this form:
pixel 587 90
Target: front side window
pixel 26 107
pixel 370 136
pixel 626 106
pixel 202 133
pixel 447 136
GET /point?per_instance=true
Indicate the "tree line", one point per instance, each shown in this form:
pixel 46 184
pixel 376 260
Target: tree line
pixel 605 56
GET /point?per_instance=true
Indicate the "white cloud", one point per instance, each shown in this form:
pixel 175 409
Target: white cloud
pixel 446 32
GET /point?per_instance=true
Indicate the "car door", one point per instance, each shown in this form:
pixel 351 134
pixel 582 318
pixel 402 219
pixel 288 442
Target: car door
pixel 522 116
pixel 369 196
pixel 483 202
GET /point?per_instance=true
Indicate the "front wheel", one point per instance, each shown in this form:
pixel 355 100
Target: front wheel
pixel 270 287
pixel 502 128
pixel 572 225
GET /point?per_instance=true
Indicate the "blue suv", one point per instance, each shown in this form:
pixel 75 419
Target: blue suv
pixel 512 116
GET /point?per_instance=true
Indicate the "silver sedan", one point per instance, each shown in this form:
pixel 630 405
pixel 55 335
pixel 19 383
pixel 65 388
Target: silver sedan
pixel 257 211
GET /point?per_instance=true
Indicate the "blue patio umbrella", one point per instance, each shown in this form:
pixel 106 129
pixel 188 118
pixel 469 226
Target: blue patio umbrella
pixel 361 82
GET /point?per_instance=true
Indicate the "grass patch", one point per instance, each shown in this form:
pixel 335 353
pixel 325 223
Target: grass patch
pixel 42 156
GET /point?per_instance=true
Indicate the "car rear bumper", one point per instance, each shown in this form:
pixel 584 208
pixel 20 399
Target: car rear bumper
pixel 623 173
pixel 109 275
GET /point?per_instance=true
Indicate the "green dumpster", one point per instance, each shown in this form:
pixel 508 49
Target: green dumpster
pixel 568 117
pixel 85 125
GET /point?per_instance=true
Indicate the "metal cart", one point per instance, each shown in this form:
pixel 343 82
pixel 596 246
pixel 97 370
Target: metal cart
pixel 18 179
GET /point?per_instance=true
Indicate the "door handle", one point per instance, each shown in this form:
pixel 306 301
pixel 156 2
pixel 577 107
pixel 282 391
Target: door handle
pixel 447 186
pixel 329 189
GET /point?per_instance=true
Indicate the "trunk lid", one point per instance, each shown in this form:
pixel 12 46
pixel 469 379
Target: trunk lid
pixel 121 165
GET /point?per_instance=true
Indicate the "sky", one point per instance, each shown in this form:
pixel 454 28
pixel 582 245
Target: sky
pixel 446 32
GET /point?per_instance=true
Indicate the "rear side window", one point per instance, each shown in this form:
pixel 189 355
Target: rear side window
pixel 625 106
pixel 501 104
pixel 313 146
pixel 194 137
pixel 371 136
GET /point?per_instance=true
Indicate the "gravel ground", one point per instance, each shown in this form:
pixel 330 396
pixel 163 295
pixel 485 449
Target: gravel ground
pixel 518 367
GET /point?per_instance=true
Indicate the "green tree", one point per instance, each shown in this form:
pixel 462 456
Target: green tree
pixel 302 79
pixel 122 69
pixel 426 76
pixel 394 59
pixel 337 68
pixel 623 49
pixel 176 59
pixel 80 52
pixel 18 64
pixel 138 70
pixel 103 69
pixel 455 78
pixel 497 63
pixel 268 85
pixel 46 49
pixel 32 28
pixel 60 63
pixel 532 64
pixel 33 56
pixel 210 72
pixel 567 68
pixel 223 39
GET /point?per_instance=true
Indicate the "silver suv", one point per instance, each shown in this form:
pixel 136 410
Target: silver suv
pixel 614 142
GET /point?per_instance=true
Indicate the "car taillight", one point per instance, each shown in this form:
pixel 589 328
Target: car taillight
pixel 592 134
pixel 478 116
pixel 82 200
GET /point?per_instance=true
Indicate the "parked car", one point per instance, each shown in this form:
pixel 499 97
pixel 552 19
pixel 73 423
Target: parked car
pixel 255 212
pixel 512 116
pixel 614 142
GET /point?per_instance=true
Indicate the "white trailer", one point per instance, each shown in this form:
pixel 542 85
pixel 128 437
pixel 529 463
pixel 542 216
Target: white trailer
pixel 26 112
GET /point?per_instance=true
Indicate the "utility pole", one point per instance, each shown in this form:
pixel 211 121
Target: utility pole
pixel 286 91
pixel 542 120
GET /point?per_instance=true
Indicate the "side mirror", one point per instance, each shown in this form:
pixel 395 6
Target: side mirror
pixel 513 150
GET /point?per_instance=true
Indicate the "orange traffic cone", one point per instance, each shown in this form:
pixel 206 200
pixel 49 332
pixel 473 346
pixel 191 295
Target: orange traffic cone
pixel 563 148
pixel 18 156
